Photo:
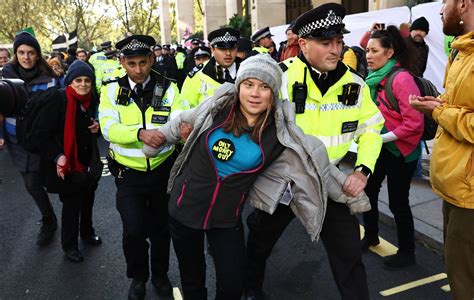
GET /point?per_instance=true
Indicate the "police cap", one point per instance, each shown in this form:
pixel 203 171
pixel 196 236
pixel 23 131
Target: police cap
pixel 166 47
pixel 202 51
pixel 224 38
pixel 244 45
pixel 157 47
pixel 321 22
pixel 135 45
pixel 196 42
pixel 260 34
pixel 106 45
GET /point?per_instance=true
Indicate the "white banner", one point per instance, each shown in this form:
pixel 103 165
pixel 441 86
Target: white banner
pixel 358 24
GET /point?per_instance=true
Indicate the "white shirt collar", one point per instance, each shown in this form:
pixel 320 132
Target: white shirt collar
pixel 232 69
pixel 133 84
pixel 324 75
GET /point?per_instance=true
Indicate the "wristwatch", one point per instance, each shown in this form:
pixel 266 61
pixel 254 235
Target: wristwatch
pixel 364 170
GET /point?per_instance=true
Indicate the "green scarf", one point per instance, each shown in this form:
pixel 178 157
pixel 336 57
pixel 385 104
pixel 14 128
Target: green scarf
pixel 374 77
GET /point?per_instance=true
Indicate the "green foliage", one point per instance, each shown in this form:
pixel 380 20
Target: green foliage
pixel 242 23
pixel 197 35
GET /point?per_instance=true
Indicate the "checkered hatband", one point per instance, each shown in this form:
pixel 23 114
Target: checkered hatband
pixel 226 38
pixel 135 45
pixel 330 20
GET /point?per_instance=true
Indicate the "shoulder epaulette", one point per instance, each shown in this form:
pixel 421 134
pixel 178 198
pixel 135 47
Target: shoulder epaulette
pixel 165 77
pixel 105 82
pixel 283 67
pixel 355 72
pixel 284 64
pixel 195 70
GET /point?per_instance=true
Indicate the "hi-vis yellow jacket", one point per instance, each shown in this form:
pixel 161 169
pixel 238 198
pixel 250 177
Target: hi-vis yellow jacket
pixel 197 86
pixel 107 72
pixel 120 124
pixel 260 49
pixel 333 122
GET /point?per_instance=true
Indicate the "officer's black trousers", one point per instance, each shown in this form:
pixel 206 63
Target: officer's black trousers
pixel 341 238
pixel 142 202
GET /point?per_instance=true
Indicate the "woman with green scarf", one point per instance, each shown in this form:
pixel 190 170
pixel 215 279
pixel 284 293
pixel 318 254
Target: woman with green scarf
pixel 401 134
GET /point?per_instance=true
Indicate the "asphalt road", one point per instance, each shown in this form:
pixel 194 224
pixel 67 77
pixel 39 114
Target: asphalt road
pixel 297 269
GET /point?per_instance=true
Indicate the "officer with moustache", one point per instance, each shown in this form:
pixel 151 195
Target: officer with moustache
pixel 333 104
pixel 204 79
pixel 129 110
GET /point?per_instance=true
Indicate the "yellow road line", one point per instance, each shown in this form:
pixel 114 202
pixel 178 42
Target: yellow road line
pixel 383 249
pixel 413 284
pixel 177 294
pixel 446 288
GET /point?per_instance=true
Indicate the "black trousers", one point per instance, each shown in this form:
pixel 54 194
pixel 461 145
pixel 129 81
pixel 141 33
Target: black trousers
pixel 34 186
pixel 228 251
pixel 76 216
pixel 399 174
pixel 142 202
pixel 341 238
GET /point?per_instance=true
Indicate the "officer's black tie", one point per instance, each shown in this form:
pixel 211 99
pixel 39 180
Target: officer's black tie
pixel 227 76
pixel 139 89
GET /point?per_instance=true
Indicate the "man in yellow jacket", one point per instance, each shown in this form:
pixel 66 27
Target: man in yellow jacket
pixel 452 160
pixel 204 79
pixel 333 104
pixel 129 110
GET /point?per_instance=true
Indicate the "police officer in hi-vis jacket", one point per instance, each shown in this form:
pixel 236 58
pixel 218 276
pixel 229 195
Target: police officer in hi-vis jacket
pixel 129 109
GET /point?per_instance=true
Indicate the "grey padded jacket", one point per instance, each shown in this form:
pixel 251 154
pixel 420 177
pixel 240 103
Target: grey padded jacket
pixel 304 164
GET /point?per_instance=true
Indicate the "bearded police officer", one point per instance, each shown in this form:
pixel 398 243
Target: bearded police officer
pixel 333 104
pixel 204 79
pixel 129 109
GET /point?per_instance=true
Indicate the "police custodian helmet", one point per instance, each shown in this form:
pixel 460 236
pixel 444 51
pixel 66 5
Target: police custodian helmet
pixel 323 21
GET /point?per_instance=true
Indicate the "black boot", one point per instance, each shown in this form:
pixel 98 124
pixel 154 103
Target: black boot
pixel 400 260
pixel 48 227
pixel 137 290
pixel 369 241
pixel 162 285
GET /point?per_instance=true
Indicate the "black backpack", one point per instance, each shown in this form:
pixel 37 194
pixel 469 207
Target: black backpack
pixel 427 88
pixel 27 120
pixel 362 67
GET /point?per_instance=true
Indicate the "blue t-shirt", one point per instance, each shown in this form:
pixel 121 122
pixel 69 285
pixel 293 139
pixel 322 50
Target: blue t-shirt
pixel 233 154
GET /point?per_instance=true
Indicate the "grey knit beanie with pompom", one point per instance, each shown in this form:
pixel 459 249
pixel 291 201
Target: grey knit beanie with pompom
pixel 262 67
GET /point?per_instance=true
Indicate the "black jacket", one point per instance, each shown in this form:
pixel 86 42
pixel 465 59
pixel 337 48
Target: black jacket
pixel 167 67
pixel 199 199
pixel 421 60
pixel 51 130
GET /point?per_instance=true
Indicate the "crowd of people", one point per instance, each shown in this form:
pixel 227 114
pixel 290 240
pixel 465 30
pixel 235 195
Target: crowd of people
pixel 195 134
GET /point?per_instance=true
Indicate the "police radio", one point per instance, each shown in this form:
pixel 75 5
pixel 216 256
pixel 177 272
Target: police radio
pixel 158 93
pixel 300 93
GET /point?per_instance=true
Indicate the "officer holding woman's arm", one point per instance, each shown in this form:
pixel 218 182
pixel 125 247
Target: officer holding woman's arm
pixel 333 104
pixel 129 109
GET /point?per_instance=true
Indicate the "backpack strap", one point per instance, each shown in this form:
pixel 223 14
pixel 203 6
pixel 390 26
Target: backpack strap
pixel 392 100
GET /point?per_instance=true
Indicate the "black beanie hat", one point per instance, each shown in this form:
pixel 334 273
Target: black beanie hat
pixel 25 38
pixel 420 24
pixel 76 69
